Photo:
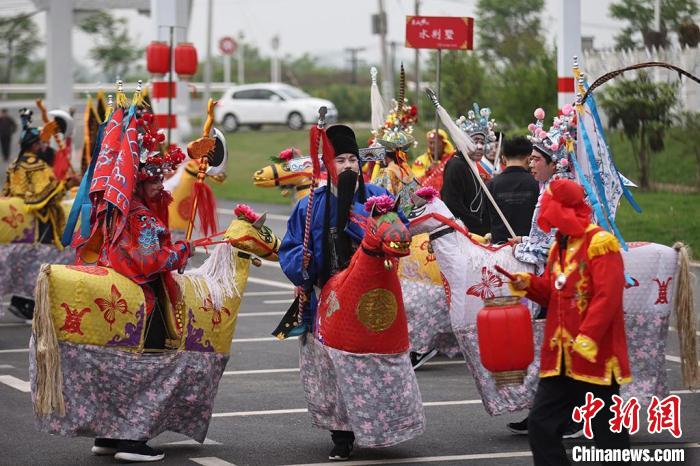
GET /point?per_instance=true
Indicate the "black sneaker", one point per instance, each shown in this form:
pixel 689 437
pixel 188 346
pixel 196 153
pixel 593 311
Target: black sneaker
pixel 518 428
pixel 135 451
pixel 573 430
pixel 341 451
pixel 104 446
pixel 418 359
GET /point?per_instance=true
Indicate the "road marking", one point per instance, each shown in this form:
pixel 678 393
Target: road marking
pixel 18 350
pixel 674 329
pixel 207 441
pixel 476 456
pixel 16 324
pixel 676 359
pixel 266 293
pixel 426 404
pixel 255 340
pixel 259 314
pixel 278 301
pixel 211 461
pixel 6 366
pixel 262 281
pixel 14 382
pixel 296 369
pixel 229 213
pixel 260 371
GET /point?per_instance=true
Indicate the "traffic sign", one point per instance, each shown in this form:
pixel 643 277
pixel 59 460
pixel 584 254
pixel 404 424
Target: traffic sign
pixel 439 32
pixel 227 45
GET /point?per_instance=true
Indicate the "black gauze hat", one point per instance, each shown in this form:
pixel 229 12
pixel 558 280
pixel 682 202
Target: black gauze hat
pixel 343 140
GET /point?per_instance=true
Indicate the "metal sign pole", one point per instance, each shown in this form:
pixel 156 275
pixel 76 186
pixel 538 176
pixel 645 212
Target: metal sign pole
pixel 437 85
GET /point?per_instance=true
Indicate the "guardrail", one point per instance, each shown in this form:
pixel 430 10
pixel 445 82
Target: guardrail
pixel 81 88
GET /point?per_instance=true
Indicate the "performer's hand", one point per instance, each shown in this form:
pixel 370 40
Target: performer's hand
pixel 48 130
pixel 516 240
pixel 521 282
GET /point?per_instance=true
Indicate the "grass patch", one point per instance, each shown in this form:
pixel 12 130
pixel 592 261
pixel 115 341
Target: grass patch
pixel 665 218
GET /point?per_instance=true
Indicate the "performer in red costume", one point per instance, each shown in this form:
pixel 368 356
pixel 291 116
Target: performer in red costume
pixel 585 348
pixel 129 233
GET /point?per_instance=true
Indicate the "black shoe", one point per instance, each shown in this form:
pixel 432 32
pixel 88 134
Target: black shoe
pixel 573 430
pixel 22 307
pixel 518 428
pixel 418 359
pixel 137 451
pixel 341 451
pixel 105 446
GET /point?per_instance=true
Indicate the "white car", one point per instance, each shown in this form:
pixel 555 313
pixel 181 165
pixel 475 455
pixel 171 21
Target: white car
pixel 255 105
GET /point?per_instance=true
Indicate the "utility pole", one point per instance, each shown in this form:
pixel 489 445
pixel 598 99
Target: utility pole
pixel 207 64
pixel 392 59
pixel 387 78
pixel 274 69
pixel 416 96
pixel 353 51
pixel 241 58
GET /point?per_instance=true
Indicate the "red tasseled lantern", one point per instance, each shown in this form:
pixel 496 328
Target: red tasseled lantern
pixel 185 60
pixel 158 58
pixel 506 343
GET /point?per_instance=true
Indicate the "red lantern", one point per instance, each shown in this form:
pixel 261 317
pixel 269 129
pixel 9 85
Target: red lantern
pixel 158 57
pixel 506 342
pixel 185 60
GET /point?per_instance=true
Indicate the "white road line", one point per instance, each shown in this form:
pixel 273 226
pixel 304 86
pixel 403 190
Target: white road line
pixel 675 359
pixel 16 324
pixel 475 456
pixel 452 403
pixel 6 366
pixel 207 441
pixel 260 413
pixel 229 213
pixel 674 329
pixel 18 350
pixel 211 461
pixel 14 382
pixel 260 371
pixel 259 314
pixel 278 301
pixel 266 293
pixel 255 340
pixel 274 283
pixel 296 369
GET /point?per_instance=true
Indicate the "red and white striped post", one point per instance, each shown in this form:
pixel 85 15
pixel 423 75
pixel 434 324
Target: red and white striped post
pixel 169 94
pixel 568 47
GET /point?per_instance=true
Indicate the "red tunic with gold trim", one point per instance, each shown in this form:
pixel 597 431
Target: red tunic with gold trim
pixel 582 290
pixel 143 250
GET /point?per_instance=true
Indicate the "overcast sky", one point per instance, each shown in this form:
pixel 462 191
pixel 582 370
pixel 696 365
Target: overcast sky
pixel 323 28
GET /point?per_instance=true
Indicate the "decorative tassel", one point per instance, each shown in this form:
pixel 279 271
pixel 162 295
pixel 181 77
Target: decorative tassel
pixel 206 208
pixel 685 319
pixel 602 243
pixel 215 278
pixel 61 164
pixel 49 378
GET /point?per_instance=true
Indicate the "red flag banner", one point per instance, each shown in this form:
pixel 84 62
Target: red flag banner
pixel 122 180
pixel 440 32
pixel 108 153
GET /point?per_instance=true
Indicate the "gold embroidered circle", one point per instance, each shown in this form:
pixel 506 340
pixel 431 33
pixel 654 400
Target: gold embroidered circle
pixel 377 309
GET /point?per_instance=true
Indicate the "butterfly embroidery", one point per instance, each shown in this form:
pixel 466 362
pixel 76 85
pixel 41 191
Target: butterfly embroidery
pixel 15 218
pixel 216 317
pixel 483 289
pixel 110 307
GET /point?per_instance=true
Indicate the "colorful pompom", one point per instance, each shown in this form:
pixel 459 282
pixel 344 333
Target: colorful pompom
pixel 428 193
pixel 539 114
pixel 245 212
pixel 381 204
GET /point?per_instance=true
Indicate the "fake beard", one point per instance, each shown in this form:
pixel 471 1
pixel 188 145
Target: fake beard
pixel 347 181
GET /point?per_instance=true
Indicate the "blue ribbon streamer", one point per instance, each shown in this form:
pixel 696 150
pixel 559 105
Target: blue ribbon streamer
pixel 610 222
pixel 596 117
pixel 81 204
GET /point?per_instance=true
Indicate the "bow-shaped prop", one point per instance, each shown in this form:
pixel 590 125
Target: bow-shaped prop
pixel 651 64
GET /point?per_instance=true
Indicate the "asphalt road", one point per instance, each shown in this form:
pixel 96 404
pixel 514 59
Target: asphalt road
pixel 260 416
